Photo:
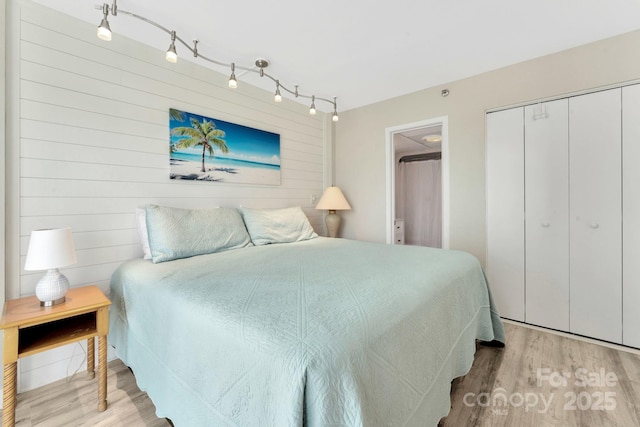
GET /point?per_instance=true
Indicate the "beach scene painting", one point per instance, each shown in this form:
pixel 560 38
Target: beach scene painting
pixel 206 149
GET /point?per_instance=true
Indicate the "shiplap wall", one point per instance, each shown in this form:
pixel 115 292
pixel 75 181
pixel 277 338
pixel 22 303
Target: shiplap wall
pixel 93 146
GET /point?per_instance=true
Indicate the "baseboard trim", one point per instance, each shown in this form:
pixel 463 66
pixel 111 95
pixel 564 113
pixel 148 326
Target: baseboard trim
pixel 608 344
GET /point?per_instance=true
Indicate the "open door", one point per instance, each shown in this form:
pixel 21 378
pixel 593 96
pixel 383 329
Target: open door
pixel 418 184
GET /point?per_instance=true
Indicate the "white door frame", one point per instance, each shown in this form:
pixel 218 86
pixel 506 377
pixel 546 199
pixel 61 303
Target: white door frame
pixel 391 176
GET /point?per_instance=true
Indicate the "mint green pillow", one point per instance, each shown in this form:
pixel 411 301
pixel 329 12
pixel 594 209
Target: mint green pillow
pixel 286 225
pixel 181 233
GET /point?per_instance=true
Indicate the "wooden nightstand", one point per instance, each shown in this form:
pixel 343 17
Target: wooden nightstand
pixel 30 329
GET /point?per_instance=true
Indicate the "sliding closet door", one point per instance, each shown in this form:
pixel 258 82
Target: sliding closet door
pixel 505 211
pixel 547 214
pixel 596 215
pixel 631 215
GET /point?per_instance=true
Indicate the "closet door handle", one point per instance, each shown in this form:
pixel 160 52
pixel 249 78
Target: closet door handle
pixel 594 225
pixel 545 224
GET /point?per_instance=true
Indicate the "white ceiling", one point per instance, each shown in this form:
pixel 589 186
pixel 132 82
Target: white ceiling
pixel 413 141
pixel 364 51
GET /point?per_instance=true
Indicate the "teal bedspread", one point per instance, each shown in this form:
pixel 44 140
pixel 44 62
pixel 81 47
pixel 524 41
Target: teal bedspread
pixel 324 332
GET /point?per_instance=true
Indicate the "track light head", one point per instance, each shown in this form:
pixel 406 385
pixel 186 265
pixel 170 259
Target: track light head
pixel 312 109
pixel 172 55
pixel 278 96
pixel 104 31
pixel 334 116
pixel 233 83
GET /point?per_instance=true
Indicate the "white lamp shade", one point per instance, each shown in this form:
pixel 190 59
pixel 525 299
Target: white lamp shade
pixel 332 199
pixel 51 248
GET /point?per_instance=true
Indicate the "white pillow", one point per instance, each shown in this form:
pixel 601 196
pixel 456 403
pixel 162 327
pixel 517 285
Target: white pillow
pixel 286 225
pixel 141 221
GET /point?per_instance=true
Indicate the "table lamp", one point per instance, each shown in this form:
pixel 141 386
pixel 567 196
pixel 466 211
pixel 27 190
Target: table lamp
pixel 333 200
pixel 49 250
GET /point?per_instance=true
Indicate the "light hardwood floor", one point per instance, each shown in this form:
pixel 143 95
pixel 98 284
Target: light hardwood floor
pixel 542 377
pixel 74 403
pixel 533 397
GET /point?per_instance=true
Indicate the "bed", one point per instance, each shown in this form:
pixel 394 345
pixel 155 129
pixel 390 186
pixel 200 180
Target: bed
pixel 314 332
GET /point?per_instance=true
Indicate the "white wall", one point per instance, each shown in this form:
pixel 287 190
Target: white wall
pixel 3 8
pixel 90 120
pixel 3 15
pixel 360 134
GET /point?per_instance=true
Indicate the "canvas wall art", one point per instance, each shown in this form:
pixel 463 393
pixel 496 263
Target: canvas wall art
pixel 206 149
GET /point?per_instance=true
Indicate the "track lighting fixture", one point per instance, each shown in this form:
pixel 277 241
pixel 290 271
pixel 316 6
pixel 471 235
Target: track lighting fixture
pixel 172 55
pixel 312 109
pixel 278 96
pixel 233 83
pixel 195 48
pixel 104 33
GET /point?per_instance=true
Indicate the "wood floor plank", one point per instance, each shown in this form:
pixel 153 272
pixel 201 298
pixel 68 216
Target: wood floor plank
pixel 542 376
pixel 518 385
pixel 74 403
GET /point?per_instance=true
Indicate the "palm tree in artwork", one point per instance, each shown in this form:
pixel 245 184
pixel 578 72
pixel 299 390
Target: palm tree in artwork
pixel 202 134
pixel 176 114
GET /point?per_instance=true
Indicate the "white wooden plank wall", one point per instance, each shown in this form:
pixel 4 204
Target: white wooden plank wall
pixel 94 146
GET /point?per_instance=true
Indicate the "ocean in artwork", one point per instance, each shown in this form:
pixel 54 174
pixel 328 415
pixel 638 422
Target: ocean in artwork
pixel 232 153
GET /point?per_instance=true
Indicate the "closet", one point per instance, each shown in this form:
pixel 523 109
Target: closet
pixel 546 195
pixel 631 216
pixel 561 251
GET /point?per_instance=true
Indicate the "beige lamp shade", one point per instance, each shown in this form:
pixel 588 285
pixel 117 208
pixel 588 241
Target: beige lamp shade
pixel 333 200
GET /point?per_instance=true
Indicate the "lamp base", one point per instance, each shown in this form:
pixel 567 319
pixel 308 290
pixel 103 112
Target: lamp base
pixel 333 223
pixel 52 288
pixel 52 303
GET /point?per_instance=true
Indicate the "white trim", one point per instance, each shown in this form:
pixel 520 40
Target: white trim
pixel 607 344
pixel 563 96
pixel 12 147
pixel 3 105
pixel 390 175
pixel 329 160
pixel 328 178
pixel 3 29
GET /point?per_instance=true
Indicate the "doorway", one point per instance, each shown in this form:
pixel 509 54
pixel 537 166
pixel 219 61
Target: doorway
pixel 418 183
